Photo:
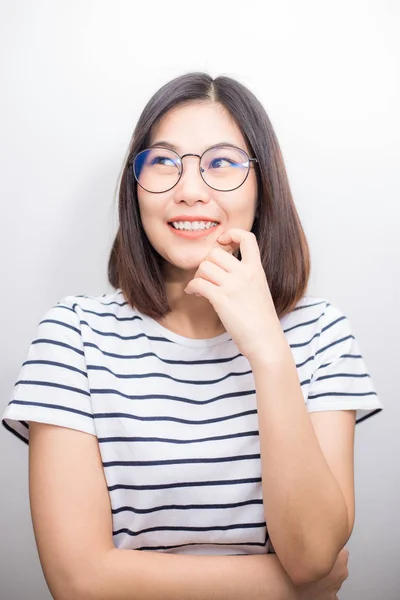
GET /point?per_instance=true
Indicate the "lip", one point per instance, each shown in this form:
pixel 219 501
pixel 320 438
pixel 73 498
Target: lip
pixel 192 218
pixel 193 234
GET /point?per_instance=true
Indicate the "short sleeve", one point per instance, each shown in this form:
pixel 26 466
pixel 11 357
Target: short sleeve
pixel 53 386
pixel 340 380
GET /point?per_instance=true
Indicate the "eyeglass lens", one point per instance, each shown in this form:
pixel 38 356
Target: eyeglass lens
pixel 223 168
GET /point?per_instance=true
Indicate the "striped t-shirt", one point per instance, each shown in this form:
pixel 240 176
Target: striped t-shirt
pixel 175 417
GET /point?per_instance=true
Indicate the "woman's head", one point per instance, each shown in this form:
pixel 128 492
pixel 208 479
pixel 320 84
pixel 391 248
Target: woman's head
pixel 194 128
pixel 193 113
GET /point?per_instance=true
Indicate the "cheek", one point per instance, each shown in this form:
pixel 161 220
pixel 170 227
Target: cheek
pixel 244 199
pixel 146 217
pixel 241 207
pixel 150 211
pixel 252 188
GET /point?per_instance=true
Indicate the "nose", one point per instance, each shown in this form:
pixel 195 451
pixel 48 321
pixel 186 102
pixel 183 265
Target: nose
pixel 191 186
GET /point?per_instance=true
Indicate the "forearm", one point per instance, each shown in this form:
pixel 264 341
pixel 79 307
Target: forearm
pixel 139 575
pixel 304 507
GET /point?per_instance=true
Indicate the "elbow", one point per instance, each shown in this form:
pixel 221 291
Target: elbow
pixel 72 590
pixel 312 562
pixel 75 585
pixel 303 573
pixel 93 579
pixel 88 586
pixel 302 576
pixel 68 589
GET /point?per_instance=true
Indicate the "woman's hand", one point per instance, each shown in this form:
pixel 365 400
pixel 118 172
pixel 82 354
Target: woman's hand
pixel 239 293
pixel 328 587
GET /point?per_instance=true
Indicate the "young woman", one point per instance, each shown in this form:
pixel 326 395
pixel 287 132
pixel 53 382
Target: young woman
pixel 191 434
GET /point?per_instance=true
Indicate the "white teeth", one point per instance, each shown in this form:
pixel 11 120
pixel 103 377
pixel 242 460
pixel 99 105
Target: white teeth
pixel 187 225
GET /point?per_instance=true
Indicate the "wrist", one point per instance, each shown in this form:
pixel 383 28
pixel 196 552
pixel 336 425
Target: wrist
pixel 275 354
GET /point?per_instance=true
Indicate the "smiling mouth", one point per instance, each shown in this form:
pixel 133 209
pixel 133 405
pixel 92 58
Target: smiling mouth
pixel 193 233
pixel 205 228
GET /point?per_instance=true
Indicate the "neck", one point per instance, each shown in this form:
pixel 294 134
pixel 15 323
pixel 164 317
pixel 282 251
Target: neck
pixel 190 316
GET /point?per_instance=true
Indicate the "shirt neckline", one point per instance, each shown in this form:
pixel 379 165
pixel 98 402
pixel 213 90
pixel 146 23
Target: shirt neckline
pixel 175 337
pixel 180 339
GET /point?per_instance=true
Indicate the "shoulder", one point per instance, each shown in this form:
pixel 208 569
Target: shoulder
pixel 106 302
pixel 313 311
pixel 316 325
pixel 78 308
pixel 99 320
pixel 72 317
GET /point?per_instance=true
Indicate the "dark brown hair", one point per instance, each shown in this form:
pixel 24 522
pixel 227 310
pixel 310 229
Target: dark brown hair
pixel 134 265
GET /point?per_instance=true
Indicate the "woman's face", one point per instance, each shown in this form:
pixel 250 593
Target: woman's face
pixel 194 128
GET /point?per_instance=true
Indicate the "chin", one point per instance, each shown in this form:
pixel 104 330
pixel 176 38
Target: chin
pixel 185 265
pixel 189 262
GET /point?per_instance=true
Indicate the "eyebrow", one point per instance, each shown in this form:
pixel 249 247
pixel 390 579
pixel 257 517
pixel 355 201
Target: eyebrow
pixel 164 144
pixel 173 147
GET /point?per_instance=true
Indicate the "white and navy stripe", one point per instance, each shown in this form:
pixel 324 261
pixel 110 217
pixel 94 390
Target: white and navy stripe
pixel 176 418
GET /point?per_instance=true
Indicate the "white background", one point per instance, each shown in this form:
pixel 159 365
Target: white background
pixel 75 76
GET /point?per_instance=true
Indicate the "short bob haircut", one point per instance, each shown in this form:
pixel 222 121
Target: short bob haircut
pixel 134 265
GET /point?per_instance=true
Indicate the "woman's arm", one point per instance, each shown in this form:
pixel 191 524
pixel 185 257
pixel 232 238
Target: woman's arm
pixel 73 528
pixel 307 471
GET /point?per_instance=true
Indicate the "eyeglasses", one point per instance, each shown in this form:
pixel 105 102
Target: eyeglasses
pixel 223 167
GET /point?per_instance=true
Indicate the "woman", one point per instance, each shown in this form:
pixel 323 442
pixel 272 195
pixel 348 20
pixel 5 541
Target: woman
pixel 206 408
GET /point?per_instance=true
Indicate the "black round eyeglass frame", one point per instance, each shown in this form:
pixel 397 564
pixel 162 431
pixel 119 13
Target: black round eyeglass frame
pixel 200 156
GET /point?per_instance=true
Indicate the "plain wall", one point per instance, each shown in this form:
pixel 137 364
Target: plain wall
pixel 75 76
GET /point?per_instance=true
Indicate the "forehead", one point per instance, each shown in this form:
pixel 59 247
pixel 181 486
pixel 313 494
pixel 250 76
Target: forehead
pixel 196 126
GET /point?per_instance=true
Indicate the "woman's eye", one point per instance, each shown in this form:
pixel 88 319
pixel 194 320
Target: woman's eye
pixel 219 162
pixel 163 160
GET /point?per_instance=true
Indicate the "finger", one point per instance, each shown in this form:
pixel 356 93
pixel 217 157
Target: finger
pixel 247 241
pixel 212 272
pixel 223 259
pixel 231 247
pixel 202 287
